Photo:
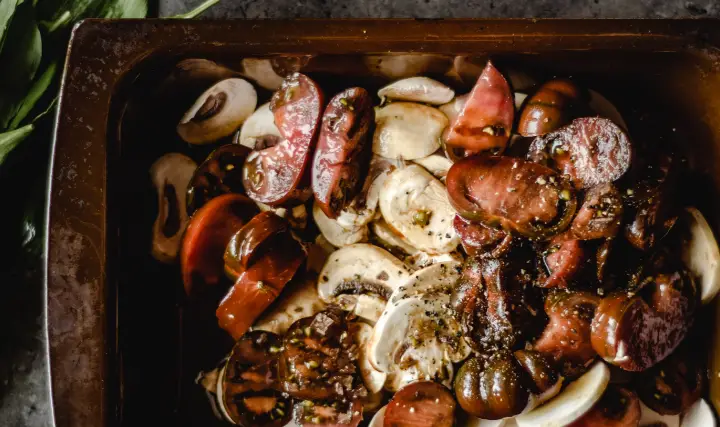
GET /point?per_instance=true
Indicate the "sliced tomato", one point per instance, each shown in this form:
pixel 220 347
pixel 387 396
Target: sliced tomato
pixel 220 173
pixel 207 236
pixel 274 175
pixel 328 413
pixel 564 259
pixel 257 287
pixel 256 347
pixel 551 107
pixel 481 241
pixel 245 245
pixel 340 159
pixel 485 121
pixel 421 404
pixel 249 397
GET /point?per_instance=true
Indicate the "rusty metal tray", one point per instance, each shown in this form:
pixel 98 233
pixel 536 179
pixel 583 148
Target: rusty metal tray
pixel 123 345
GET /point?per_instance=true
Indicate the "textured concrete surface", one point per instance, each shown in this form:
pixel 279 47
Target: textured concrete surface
pixel 23 379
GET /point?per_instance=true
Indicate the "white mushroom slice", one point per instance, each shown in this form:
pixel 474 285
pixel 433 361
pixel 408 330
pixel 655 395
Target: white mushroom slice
pixel 405 130
pixel 605 108
pixel 369 307
pixel 391 240
pixel 360 267
pixel 363 208
pixel 373 379
pixel 418 332
pixel 424 259
pixel 402 377
pixel 218 112
pixel 170 176
pixel 260 126
pixel 261 72
pixel 334 233
pixel 536 400
pixel 415 204
pixel 438 278
pixel 699 415
pixel 701 254
pixel 572 403
pixel 417 89
pixel 649 418
pixel 519 99
pixel 299 299
pixel 436 164
pixel 378 419
pixel 398 66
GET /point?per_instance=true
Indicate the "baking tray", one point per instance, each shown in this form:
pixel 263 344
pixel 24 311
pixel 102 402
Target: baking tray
pixel 124 345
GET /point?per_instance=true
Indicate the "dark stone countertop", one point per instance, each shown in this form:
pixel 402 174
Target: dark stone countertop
pixel 24 383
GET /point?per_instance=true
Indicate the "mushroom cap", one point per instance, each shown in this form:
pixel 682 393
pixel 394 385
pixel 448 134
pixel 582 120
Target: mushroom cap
pixel 406 130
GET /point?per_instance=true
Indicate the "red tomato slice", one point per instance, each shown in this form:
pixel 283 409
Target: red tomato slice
pixel 421 404
pixel 339 158
pixel 245 245
pixel 273 175
pixel 485 122
pixel 207 236
pixel 257 288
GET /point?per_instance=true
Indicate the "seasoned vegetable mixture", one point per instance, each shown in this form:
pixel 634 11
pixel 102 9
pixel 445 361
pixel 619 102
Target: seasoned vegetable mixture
pixel 493 258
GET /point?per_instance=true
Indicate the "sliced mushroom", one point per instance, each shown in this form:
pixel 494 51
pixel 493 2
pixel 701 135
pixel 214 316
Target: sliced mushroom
pixel 390 239
pixel 368 307
pixel 299 299
pixel 415 204
pixel 438 278
pixel 334 233
pixel 259 129
pixel 360 268
pixel 261 71
pixel 572 403
pixel 378 419
pixel 701 255
pixel 408 65
pixel 418 332
pixel 423 259
pixel 650 418
pixel 218 112
pixel 699 415
pixel 363 208
pixel 605 108
pixel 405 130
pixel 417 89
pixel 436 164
pixel 374 380
pixel 170 175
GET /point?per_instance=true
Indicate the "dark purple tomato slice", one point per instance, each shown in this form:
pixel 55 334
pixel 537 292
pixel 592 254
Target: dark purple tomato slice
pixel 564 259
pixel 274 175
pixel 423 403
pixel 590 150
pixel 481 241
pixel 485 121
pixel 600 214
pixel 220 173
pixel 248 243
pixel 340 156
pixel 256 347
pixel 551 107
pixel 521 196
pixel 308 413
pixel 673 385
pixel 249 396
pixel 207 236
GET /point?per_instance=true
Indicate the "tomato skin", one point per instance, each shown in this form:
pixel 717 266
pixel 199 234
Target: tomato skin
pixel 257 287
pixel 636 331
pixel 485 121
pixel 207 236
pixel 549 108
pixel 328 414
pixel 340 156
pixel 247 244
pixel 422 403
pixel 481 241
pixel 220 173
pixel 275 175
pixel 618 407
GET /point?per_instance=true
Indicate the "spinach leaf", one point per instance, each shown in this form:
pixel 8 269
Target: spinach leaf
pixel 20 61
pixel 10 140
pixel 7 9
pixel 36 91
pixel 124 9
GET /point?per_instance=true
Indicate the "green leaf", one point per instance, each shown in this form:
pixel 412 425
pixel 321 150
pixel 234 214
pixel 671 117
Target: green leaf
pixel 36 91
pixel 124 9
pixel 10 140
pixel 197 11
pixel 7 9
pixel 20 61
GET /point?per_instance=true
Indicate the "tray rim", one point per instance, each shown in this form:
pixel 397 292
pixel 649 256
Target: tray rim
pixel 102 52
